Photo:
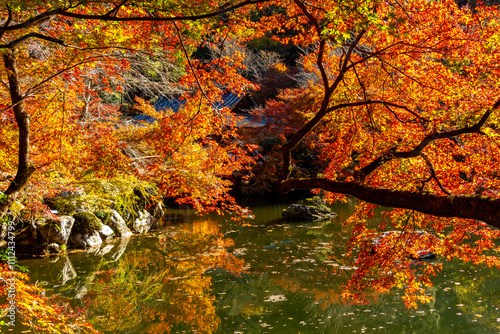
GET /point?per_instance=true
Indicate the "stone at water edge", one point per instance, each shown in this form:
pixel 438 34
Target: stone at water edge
pixel 106 233
pixel 298 212
pixel 56 231
pixel 85 241
pixel 118 225
pixel 144 222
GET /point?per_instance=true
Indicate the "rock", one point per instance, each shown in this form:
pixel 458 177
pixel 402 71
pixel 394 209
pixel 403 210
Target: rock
pixel 299 212
pixel 118 225
pixel 158 212
pixel 144 222
pixel 27 240
pixel 79 240
pixel 86 223
pixel 106 233
pixel 56 231
pixel 53 248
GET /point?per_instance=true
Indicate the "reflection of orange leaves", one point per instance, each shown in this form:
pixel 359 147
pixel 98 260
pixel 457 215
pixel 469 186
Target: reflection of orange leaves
pixel 33 309
pixel 167 287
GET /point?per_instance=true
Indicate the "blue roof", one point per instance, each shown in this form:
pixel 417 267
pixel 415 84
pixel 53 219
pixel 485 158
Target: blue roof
pixel 165 103
pixel 228 100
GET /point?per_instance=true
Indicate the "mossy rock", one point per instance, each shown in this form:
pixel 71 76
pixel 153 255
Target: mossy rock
pixel 104 216
pixel 86 223
pixel 299 212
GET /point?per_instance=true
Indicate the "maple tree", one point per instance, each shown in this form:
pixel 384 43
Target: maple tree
pixel 403 109
pixel 401 104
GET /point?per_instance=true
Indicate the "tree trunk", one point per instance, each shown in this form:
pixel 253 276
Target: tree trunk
pixel 24 168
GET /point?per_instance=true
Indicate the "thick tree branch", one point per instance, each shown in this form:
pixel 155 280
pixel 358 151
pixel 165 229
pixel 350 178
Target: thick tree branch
pixel 476 128
pixel 30 35
pixel 433 173
pixel 322 43
pixel 483 208
pixel 299 135
pixel 34 21
pixel 109 17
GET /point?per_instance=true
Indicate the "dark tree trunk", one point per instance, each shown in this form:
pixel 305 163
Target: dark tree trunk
pixel 24 168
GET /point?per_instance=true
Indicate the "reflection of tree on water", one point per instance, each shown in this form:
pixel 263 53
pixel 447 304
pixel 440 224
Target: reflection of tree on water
pixel 163 286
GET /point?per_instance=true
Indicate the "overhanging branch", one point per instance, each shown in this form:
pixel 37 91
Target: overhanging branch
pixel 34 21
pixel 31 35
pixel 483 208
pixel 476 128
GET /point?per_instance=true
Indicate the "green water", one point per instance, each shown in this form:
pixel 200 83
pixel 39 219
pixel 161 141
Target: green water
pixel 275 278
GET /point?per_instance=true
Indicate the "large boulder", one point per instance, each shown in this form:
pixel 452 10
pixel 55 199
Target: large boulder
pixel 84 240
pixel 106 233
pixel 144 222
pixel 299 212
pixel 118 225
pixel 158 212
pixel 26 238
pixel 56 231
pixel 86 231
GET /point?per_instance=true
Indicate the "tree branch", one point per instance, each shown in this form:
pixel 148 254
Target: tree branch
pixel 24 168
pixel 483 208
pixel 299 135
pixel 476 128
pixel 32 34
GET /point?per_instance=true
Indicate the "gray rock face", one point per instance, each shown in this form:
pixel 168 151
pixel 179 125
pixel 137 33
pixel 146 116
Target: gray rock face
pixel 85 241
pixel 58 232
pixel 118 225
pixel 106 233
pixel 158 211
pixel 26 237
pixel 144 222
pixel 298 212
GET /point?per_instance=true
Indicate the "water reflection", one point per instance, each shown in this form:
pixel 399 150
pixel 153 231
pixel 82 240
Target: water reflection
pixel 211 275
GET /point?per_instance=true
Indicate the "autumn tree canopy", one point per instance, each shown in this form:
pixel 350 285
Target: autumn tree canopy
pixel 400 100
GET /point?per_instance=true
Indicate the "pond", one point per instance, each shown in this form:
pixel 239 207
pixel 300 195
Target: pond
pixel 212 275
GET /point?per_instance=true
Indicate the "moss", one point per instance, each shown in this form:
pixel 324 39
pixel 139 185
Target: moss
pixel 104 216
pixel 86 223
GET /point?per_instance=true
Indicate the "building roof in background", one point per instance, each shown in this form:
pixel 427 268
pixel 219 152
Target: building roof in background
pixel 228 100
